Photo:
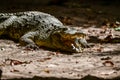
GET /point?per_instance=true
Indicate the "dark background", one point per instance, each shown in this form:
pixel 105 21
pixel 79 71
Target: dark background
pixel 75 12
pixel 11 5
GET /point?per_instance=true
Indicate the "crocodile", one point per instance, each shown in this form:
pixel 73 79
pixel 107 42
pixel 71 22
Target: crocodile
pixel 35 29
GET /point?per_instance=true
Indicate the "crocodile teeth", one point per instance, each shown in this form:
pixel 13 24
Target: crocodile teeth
pixel 77 47
pixel 78 44
pixel 73 46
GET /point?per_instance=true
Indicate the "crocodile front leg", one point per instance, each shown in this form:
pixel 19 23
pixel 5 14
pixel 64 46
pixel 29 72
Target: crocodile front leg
pixel 28 40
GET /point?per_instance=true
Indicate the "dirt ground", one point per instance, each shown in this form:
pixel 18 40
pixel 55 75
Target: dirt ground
pixel 100 62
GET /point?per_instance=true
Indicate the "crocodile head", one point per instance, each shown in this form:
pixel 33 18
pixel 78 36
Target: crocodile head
pixel 68 39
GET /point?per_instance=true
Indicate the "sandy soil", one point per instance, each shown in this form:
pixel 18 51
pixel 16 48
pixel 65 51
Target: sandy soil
pixel 100 61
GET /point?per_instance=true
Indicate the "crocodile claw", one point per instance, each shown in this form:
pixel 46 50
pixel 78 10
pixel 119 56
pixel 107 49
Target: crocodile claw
pixel 32 47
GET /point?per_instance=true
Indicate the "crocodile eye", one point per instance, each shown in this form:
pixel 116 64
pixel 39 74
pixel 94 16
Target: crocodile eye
pixel 52 25
pixel 43 21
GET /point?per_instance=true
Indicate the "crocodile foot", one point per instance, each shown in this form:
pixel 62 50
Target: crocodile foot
pixel 31 47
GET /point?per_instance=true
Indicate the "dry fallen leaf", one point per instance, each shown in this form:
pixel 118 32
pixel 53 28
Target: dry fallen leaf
pixel 47 70
pixel 44 59
pixel 108 63
pixel 14 70
pixel 15 62
pixel 106 58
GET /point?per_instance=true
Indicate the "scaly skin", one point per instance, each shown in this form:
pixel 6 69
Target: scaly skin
pixel 35 29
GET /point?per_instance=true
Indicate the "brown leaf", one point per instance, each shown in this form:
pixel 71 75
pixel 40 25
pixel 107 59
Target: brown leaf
pixel 108 63
pixel 47 58
pixel 44 59
pixel 99 49
pixel 47 70
pixel 15 62
pixel 15 70
pixel 106 58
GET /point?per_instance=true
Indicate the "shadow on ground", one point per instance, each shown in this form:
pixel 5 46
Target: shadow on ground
pixel 110 53
pixel 88 77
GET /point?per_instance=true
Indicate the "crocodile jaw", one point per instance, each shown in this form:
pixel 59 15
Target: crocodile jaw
pixel 71 41
pixel 76 49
